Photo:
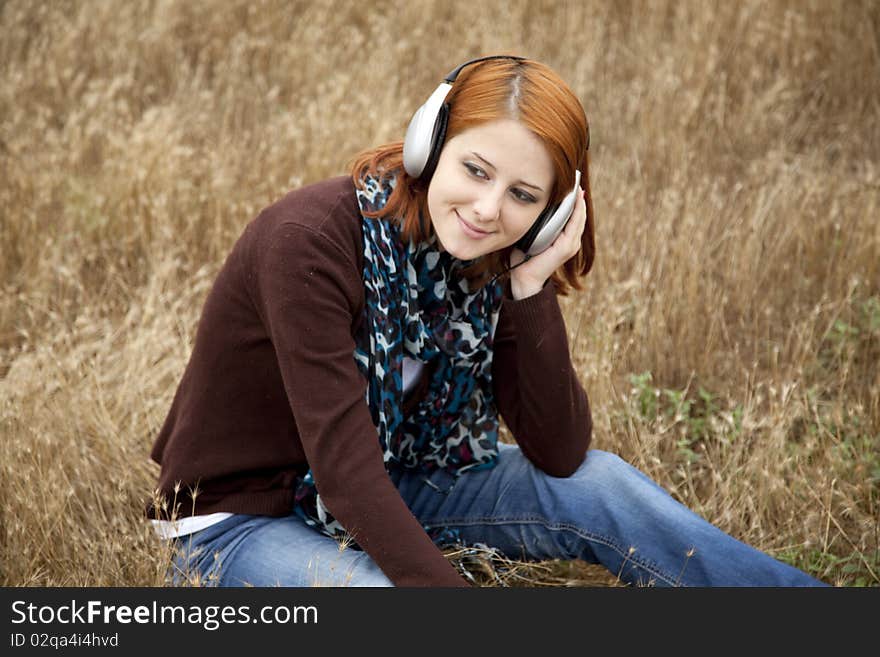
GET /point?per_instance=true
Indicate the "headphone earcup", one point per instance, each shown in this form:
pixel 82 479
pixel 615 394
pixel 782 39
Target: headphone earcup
pixel 439 138
pixel 525 242
pixel 423 132
pixel 550 223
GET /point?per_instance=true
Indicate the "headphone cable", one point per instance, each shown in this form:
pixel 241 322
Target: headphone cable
pixel 510 269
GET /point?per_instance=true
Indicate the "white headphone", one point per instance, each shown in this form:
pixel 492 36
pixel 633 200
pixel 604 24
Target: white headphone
pixel 424 141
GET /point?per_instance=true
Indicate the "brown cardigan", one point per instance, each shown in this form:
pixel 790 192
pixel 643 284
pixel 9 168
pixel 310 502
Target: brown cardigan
pixel 272 386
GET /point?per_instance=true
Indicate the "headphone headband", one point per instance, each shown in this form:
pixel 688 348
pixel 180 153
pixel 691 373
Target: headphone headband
pixel 450 77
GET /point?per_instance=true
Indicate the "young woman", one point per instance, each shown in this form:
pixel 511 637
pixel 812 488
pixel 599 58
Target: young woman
pixel 360 342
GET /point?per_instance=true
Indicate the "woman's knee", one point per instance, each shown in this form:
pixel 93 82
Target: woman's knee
pixel 608 471
pixel 598 463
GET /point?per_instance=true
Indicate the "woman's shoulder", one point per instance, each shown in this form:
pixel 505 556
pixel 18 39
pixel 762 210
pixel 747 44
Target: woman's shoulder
pixel 317 227
pixel 316 204
pixel 326 211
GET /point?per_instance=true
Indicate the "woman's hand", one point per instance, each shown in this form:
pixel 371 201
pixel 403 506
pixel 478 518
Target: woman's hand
pixel 529 278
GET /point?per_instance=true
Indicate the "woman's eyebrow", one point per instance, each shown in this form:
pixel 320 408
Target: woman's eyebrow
pixel 492 166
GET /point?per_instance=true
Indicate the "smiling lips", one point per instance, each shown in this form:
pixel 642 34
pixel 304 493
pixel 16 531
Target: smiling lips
pixel 470 230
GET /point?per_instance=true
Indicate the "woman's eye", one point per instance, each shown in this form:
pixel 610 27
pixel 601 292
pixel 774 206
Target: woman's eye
pixel 522 196
pixel 475 171
pixel 518 194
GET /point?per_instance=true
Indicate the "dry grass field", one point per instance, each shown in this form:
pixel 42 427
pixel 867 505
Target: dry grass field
pixel 728 336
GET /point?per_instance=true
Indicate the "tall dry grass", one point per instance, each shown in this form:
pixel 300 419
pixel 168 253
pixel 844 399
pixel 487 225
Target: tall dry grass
pixel 729 335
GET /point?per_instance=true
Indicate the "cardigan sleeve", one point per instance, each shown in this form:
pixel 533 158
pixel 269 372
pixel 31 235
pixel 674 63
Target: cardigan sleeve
pixel 536 387
pixel 309 292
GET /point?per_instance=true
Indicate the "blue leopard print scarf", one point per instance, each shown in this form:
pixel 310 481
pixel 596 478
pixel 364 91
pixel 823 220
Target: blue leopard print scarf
pixel 416 305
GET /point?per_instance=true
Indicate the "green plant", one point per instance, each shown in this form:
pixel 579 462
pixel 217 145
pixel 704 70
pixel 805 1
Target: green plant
pixel 693 418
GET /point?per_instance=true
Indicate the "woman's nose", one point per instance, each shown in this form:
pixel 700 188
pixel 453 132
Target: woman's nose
pixel 487 206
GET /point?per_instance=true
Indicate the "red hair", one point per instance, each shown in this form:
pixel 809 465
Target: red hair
pixel 524 90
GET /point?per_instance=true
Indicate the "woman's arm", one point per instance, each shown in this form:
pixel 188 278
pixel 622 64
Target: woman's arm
pixel 309 292
pixel 536 388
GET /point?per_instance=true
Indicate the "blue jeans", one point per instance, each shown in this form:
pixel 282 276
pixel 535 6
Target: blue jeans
pixel 607 512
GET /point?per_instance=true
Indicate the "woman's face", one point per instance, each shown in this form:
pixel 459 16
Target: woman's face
pixel 490 184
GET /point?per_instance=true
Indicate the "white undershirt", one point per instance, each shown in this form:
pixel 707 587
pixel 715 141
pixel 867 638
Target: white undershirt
pixel 184 526
pixel 411 371
pixel 173 528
